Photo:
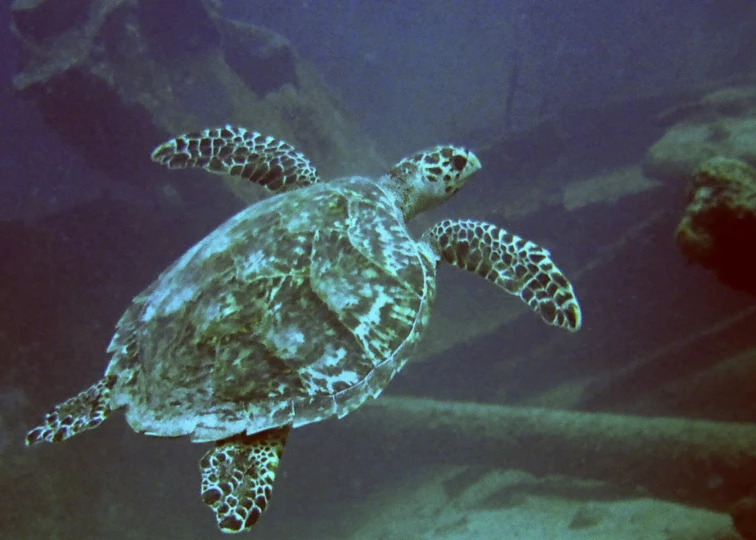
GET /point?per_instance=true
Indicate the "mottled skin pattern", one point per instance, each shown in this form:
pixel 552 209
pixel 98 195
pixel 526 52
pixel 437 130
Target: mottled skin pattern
pixel 299 308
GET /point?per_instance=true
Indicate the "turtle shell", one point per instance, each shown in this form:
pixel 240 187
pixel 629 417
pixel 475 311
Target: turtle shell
pixel 298 308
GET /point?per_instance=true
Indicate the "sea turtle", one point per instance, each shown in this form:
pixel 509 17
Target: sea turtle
pixel 298 308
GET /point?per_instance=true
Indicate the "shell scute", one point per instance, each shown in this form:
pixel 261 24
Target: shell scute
pixel 298 308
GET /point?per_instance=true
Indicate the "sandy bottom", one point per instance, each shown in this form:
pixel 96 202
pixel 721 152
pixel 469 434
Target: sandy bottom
pixel 463 504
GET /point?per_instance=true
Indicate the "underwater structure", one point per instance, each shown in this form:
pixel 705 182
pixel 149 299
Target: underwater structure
pixel 112 77
pixel 498 427
pixel 720 219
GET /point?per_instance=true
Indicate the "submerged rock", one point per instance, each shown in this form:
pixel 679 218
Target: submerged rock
pixel 114 77
pixel 588 516
pixel 743 514
pixel 722 123
pixel 720 221
pixel 422 507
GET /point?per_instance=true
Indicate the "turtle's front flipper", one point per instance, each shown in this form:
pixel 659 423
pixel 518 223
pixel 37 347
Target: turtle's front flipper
pixel 86 410
pixel 238 475
pixel 239 152
pixel 518 266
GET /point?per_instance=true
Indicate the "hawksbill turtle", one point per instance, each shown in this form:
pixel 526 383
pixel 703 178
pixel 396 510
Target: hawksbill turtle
pixel 298 308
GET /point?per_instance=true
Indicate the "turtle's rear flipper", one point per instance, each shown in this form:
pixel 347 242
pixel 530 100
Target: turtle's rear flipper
pixel 238 475
pixel 86 410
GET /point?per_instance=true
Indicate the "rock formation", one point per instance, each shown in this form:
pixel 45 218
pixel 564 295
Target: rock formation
pixel 719 224
pixel 696 462
pixel 722 123
pixel 115 77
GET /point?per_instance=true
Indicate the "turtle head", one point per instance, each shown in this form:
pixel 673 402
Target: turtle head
pixel 432 176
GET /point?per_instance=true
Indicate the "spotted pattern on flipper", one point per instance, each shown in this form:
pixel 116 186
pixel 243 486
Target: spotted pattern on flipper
pixel 238 476
pixel 518 266
pixel 261 159
pixel 86 410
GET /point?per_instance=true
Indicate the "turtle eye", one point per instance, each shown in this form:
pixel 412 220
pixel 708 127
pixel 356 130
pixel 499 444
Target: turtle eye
pixel 459 162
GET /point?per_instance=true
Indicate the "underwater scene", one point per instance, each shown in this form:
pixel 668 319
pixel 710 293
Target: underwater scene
pixel 527 228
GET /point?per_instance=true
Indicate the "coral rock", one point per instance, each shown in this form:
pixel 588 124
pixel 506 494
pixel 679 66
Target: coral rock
pixel 720 221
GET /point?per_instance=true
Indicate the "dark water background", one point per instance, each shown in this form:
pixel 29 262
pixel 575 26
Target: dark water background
pixel 414 73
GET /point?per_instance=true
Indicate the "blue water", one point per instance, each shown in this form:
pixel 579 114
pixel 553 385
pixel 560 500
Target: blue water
pixel 546 92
